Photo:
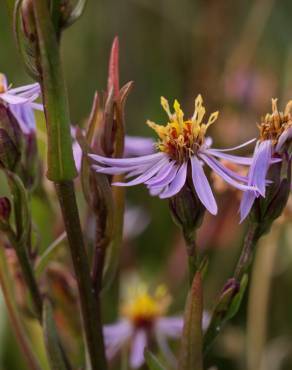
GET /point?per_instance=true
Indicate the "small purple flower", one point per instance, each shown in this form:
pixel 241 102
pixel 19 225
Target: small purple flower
pixel 143 318
pixel 275 132
pixel 21 102
pixel 183 149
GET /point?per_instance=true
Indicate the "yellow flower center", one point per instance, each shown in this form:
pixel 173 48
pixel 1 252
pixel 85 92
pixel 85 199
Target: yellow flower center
pixel 2 84
pixel 276 123
pixel 181 138
pixel 142 308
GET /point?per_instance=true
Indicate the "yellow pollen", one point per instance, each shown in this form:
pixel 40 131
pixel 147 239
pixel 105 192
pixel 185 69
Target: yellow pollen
pixel 142 307
pixel 180 138
pixel 274 124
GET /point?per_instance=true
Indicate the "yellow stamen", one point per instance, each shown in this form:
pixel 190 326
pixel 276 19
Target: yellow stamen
pixel 274 124
pixel 180 138
pixel 142 306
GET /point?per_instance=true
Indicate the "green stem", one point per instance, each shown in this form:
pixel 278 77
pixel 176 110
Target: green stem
pixel 89 300
pixel 190 240
pixel 245 259
pixel 27 271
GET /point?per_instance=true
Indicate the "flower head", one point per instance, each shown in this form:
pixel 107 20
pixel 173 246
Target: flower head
pixel 21 102
pixel 275 132
pixel 142 319
pixel 182 151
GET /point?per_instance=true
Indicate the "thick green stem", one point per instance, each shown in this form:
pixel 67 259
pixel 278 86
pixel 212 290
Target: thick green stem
pixel 88 299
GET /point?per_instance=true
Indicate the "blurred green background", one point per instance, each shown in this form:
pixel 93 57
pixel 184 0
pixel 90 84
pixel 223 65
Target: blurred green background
pixel 238 55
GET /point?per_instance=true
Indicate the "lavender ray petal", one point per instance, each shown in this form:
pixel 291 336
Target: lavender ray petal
pixel 37 106
pixel 137 351
pixel 236 147
pixel 170 326
pixel 137 171
pixel 178 182
pixel 156 190
pixel 259 168
pixel 246 203
pixel 33 86
pixel 165 171
pixel 286 135
pixel 224 173
pixel 232 158
pixel 166 180
pixel 138 146
pixel 120 162
pixel 13 99
pixel 145 176
pixel 202 186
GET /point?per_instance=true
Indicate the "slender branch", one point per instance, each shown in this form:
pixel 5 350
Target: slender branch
pixel 89 302
pixel 14 316
pixel 99 258
pixel 27 271
pixel 245 259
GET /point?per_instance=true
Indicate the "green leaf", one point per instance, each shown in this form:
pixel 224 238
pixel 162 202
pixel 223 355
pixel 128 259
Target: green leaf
pixel 49 254
pixel 152 361
pixel 53 348
pixel 192 339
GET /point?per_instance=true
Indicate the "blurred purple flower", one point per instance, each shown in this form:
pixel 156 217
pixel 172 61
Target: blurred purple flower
pixel 143 319
pixel 182 146
pixel 275 132
pixel 21 102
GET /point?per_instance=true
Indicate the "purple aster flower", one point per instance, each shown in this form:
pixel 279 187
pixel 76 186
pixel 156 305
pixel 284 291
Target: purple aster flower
pixel 143 318
pixel 275 132
pixel 183 149
pixel 21 102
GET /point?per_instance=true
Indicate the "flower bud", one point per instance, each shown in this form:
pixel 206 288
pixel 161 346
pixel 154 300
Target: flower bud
pixel 266 209
pixel 9 154
pixel 187 210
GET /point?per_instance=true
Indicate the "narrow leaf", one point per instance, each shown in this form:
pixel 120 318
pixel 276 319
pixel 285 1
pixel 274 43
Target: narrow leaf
pixel 191 345
pixel 49 254
pixel 152 361
pixel 55 355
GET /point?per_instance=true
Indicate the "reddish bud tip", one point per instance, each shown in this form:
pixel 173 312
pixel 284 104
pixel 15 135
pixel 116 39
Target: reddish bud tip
pixel 113 69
